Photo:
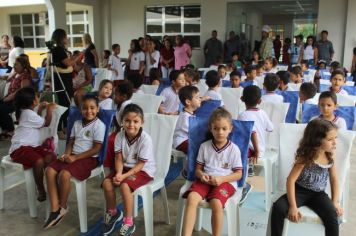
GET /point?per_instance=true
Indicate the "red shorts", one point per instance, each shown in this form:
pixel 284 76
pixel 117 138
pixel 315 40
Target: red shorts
pixel 222 192
pixel 183 147
pixel 109 160
pixel 133 181
pixel 80 169
pixel 28 156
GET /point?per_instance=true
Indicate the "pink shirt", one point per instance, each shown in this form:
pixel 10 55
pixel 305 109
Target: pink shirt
pixel 181 56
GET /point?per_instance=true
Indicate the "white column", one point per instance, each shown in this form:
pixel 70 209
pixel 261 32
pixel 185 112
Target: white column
pixel 56 14
pixel 350 35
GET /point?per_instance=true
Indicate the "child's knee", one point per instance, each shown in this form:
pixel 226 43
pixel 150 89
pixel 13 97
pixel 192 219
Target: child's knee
pixel 108 185
pixel 39 162
pixel 194 199
pixel 216 204
pixel 50 172
pixel 64 175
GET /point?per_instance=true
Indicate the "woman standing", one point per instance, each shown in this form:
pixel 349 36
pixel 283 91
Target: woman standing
pixel 167 58
pixel 90 55
pixel 4 51
pixel 310 52
pixel 17 50
pixel 182 53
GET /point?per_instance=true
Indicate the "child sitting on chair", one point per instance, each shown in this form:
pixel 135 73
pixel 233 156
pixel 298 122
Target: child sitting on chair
pixel 251 74
pixel 284 78
pixel 218 167
pixel 78 160
pixel 105 94
pixel 271 83
pixel 170 104
pixel 134 167
pixel 337 80
pixel 222 72
pixel 296 75
pixel 251 96
pixel 307 92
pixel 213 81
pixel 235 79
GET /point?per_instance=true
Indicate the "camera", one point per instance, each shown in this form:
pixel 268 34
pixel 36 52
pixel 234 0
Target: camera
pixel 50 44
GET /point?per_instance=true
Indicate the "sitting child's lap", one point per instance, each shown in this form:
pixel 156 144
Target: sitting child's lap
pixel 28 156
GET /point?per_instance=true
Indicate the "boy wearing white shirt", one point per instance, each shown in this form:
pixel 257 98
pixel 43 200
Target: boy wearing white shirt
pixel 213 81
pixel 284 78
pixel 271 84
pixel 114 64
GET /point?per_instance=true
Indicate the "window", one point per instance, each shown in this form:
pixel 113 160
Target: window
pixel 305 27
pixel 77 25
pixel 174 20
pixel 30 27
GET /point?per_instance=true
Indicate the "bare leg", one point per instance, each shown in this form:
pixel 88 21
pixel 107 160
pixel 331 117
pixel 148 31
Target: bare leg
pixel 127 198
pixel 217 216
pixel 51 177
pixel 64 189
pixel 109 193
pixel 48 159
pixel 38 169
pixel 190 213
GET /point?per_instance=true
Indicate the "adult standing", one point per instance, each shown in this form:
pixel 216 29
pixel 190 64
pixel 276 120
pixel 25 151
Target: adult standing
pixel 167 58
pixel 182 53
pixel 213 49
pixel 277 45
pixel 4 51
pixel 325 48
pixel 17 49
pixel 231 45
pixel 310 52
pixel 90 54
pixel 266 44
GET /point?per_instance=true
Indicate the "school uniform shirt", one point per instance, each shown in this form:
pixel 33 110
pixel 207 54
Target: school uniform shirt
pixel 136 58
pixel 119 111
pixel 226 77
pixel 85 135
pixel 213 95
pixel 106 104
pixel 338 121
pixel 219 162
pixel 289 89
pixel 295 53
pixel 171 100
pixel 262 124
pixel 272 97
pixel 155 55
pixel 182 127
pixel 27 133
pixel 341 91
pixel 115 63
pixel 137 149
pixel 254 82
pixel 311 101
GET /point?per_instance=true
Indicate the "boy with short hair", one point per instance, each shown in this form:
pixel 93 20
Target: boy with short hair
pixel 114 64
pixel 135 79
pixel 271 84
pixel 337 80
pixel 284 78
pixel 235 79
pixel 307 92
pixel 213 81
pixel 251 73
pixel 296 75
pixel 251 96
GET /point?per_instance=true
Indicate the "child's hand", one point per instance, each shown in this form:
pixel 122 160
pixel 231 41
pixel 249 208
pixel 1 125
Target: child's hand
pixel 69 159
pixel 204 98
pixel 118 178
pixel 205 179
pixel 215 180
pixel 294 215
pixel 339 210
pixel 62 158
pixel 43 105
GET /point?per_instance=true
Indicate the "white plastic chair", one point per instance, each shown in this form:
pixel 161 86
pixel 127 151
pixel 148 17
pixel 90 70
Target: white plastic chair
pixel 346 100
pixel 149 103
pixel 161 129
pixel 18 175
pixel 232 100
pixel 290 133
pixel 202 87
pixel 101 74
pixel 149 89
pixel 260 80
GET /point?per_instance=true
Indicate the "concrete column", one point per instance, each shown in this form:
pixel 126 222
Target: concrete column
pixel 56 14
pixel 350 35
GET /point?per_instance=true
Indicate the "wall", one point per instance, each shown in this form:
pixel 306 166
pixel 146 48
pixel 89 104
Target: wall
pixel 350 36
pixel 286 20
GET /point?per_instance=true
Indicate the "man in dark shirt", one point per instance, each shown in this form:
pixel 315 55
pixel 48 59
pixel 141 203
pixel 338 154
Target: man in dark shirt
pixel 325 48
pixel 213 49
pixel 277 45
pixel 231 45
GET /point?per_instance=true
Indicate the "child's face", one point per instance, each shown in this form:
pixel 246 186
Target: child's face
pixel 327 107
pixel 304 67
pixel 179 82
pixel 322 66
pixel 268 65
pixel 195 102
pixel 222 73
pixel 117 51
pixel 255 56
pixel 221 129
pixel 106 91
pixel 235 57
pixel 89 109
pixel 252 74
pixel 235 81
pixel 295 78
pixel 337 82
pixel 188 79
pixel 119 98
pixel 132 122
pixel 259 71
pixel 328 144
pixel 155 82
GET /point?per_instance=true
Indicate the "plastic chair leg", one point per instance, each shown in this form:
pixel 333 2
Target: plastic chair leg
pixel 135 209
pixel 82 205
pixel 165 204
pixel 268 183
pixel 147 199
pixel 31 192
pixel 2 186
pixel 285 227
pixel 232 222
pixel 180 214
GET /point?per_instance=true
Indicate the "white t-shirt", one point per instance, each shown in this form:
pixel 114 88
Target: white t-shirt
pixel 171 100
pixel 155 55
pixel 213 95
pixel 106 104
pixel 119 112
pixel 86 135
pixel 272 97
pixel 308 53
pixel 27 133
pixel 182 129
pixel 342 92
pixel 136 58
pixel 262 124
pixel 338 121
pixel 15 52
pixel 115 63
pixel 220 162
pixel 138 149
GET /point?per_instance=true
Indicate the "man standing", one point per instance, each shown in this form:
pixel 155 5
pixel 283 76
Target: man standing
pixel 230 46
pixel 277 45
pixel 266 44
pixel 212 49
pixel 325 48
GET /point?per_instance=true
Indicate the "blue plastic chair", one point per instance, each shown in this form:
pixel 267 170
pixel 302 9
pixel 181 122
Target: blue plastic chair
pixel 41 71
pixel 93 72
pixel 3 71
pixel 291 97
pixel 225 83
pixel 165 83
pixel 207 108
pixel 244 84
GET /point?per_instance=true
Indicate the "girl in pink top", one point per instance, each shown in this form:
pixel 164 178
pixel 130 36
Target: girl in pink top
pixel 182 53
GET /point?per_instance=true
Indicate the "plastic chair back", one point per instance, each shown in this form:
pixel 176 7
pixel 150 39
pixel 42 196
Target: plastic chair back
pixel 291 97
pixel 149 89
pixel 207 108
pixel 100 75
pixel 232 100
pixel 148 102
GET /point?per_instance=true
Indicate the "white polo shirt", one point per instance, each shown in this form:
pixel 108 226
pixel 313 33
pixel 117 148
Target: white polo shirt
pixel 86 135
pixel 106 104
pixel 262 124
pixel 27 133
pixel 137 149
pixel 155 55
pixel 272 97
pixel 136 58
pixel 213 95
pixel 338 121
pixel 171 100
pixel 118 113
pixel 220 162
pixel 182 128
pixel 115 63
pixel 341 91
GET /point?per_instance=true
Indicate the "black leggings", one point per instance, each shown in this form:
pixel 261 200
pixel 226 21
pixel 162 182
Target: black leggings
pixel 62 97
pixel 6 122
pixel 319 202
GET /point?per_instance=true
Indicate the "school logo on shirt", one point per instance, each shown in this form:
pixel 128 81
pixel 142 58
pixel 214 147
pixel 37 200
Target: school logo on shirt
pixel 226 166
pixel 87 133
pixel 224 192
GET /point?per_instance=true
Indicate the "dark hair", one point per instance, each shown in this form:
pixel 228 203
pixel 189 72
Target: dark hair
pixel 283 76
pixel 335 65
pixel 300 36
pixel 174 74
pixel 187 92
pixel 58 35
pixel 296 70
pixel 251 95
pixel 354 51
pixel 135 78
pixel 288 40
pixel 125 88
pixel 132 108
pixel 104 82
pixel 235 53
pixel 304 62
pixel 308 89
pixel 222 66
pixel 75 53
pixel 114 46
pixel 24 63
pixel 155 74
pixel 310 37
pixel 24 98
pixel 273 61
pixel 169 41
pixel 235 73
pixel 250 68
pixel 337 72
pixel 271 82
pixel 107 52
pixel 90 96
pixel 324 32
pixel 328 94
pixel 212 78
pixel 180 40
pixel 18 42
pixel 313 136
pixel 136 45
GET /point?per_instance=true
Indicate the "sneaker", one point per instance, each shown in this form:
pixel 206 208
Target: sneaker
pixel 251 170
pixel 55 217
pixel 245 191
pixel 127 230
pixel 110 222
